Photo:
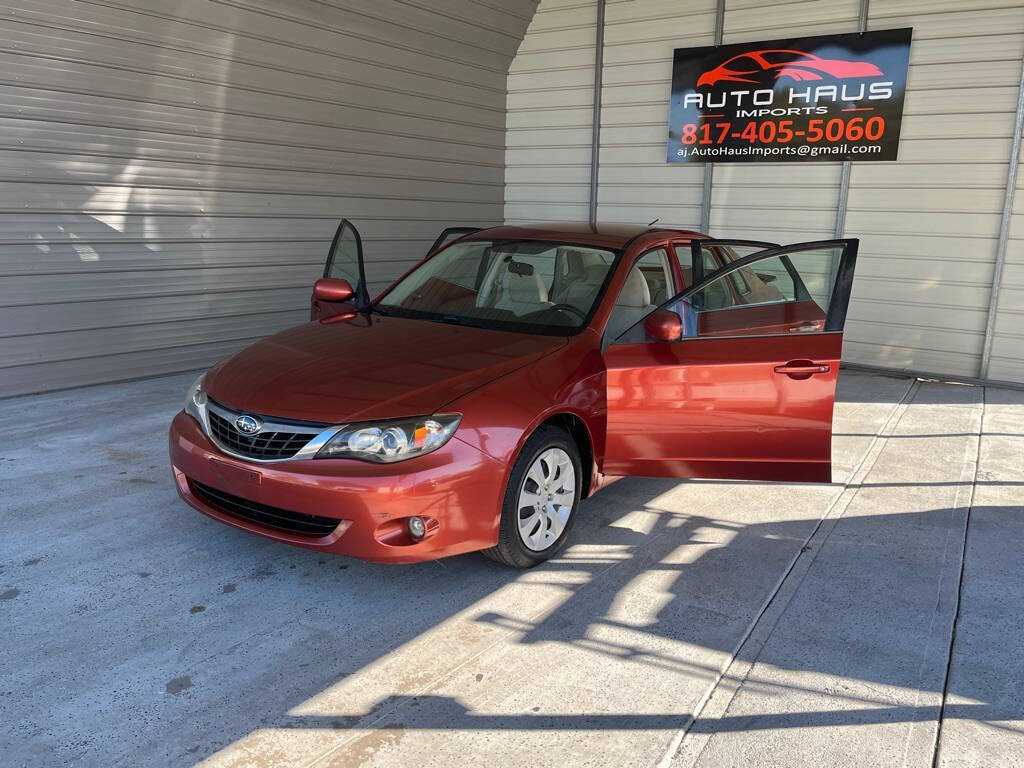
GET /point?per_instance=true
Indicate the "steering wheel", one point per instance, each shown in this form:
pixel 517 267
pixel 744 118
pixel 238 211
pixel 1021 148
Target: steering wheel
pixel 575 310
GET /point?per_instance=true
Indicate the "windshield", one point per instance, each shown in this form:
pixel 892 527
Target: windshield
pixel 536 287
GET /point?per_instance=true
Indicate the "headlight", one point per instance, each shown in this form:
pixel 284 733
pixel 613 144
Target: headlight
pixel 388 441
pixel 196 398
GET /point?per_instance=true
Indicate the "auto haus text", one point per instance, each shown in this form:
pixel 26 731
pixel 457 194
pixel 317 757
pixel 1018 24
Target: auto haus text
pixel 792 101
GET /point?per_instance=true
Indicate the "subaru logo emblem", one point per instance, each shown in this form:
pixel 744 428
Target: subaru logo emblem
pixel 248 425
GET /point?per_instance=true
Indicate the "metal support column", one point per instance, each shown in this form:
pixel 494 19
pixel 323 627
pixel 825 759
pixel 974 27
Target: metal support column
pixel 1004 232
pixel 709 168
pixel 844 175
pixel 595 139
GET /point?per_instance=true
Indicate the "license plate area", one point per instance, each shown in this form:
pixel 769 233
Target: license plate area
pixel 235 477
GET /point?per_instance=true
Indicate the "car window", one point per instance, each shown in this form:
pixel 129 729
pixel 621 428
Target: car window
pixel 723 293
pixel 684 257
pixel 739 279
pixel 714 259
pixel 655 267
pixel 576 272
pixel 718 293
pixel 462 272
pixel 543 267
pixel 650 276
pixel 786 293
pixel 528 286
pixel 343 260
pixel 773 278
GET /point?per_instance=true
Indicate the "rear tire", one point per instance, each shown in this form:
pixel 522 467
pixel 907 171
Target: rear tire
pixel 541 500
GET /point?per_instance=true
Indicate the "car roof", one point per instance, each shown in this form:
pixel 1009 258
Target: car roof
pixel 605 235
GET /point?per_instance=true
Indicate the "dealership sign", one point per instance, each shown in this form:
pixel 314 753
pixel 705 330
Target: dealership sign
pixel 829 97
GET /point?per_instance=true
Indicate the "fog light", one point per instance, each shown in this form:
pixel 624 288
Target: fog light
pixel 417 528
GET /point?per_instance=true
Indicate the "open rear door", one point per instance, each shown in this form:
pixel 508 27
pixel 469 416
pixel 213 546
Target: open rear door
pixel 448 234
pixel 746 390
pixel 344 262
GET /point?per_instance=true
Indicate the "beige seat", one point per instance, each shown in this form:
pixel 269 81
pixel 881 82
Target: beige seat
pixel 633 305
pixel 522 294
pixel 580 291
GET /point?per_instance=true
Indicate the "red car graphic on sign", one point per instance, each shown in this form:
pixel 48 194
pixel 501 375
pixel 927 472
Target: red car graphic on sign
pixel 799 65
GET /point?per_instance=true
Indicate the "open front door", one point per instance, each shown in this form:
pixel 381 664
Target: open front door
pixel 344 263
pixel 742 383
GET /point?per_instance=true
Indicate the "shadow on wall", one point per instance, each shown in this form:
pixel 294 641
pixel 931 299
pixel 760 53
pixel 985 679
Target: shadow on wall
pixel 188 162
pixel 162 226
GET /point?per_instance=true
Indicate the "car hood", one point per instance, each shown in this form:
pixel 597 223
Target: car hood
pixel 369 367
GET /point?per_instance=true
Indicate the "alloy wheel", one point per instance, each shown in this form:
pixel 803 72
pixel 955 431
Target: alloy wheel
pixel 546 499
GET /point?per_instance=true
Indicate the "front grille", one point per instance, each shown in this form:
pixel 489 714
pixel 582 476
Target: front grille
pixel 264 514
pixel 265 445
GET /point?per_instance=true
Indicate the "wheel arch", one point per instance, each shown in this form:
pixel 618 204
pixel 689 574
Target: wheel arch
pixel 580 433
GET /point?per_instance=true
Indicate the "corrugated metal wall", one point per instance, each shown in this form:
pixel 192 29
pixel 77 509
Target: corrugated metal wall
pixel 172 172
pixel 928 223
pixel 550 102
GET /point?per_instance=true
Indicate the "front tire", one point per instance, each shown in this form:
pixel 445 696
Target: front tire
pixel 541 500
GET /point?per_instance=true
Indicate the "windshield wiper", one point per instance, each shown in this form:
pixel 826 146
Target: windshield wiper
pixel 450 319
pixel 457 320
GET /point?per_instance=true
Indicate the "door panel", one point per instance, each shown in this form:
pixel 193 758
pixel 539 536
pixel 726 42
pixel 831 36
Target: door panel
pixel 717 408
pixel 747 391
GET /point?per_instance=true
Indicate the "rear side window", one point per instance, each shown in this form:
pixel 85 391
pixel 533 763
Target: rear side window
pixel 717 295
pixel 725 293
pixel 714 259
pixel 710 262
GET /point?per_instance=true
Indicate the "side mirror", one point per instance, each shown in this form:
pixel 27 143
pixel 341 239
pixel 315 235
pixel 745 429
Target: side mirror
pixel 664 325
pixel 332 289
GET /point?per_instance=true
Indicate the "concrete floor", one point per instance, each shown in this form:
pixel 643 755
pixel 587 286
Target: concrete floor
pixel 690 623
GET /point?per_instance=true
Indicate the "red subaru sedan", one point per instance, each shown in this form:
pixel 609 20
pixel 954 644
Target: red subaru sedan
pixel 476 401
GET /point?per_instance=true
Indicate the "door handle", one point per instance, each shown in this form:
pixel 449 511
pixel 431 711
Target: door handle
pixel 802 369
pixel 806 328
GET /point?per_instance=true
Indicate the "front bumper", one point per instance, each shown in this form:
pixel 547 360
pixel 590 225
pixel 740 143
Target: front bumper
pixel 457 487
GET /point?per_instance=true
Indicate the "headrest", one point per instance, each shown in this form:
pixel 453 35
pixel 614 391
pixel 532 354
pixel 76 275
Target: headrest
pixel 526 288
pixel 636 292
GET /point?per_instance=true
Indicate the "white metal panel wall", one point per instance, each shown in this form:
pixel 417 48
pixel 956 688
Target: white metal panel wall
pixel 928 223
pixel 636 184
pixel 779 202
pixel 550 109
pixel 172 172
pixel 550 105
